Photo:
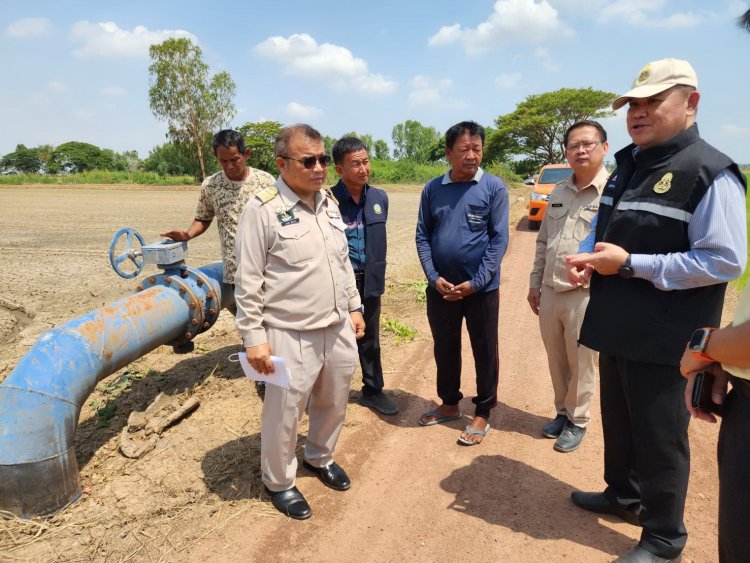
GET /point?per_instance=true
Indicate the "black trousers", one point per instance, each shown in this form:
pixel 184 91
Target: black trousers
pixel 481 312
pixel 369 345
pixel 734 474
pixel 646 448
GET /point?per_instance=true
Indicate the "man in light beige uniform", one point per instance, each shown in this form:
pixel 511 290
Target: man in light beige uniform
pixel 297 298
pixel 560 303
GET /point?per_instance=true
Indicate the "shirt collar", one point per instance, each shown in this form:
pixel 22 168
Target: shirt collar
pixel 598 182
pixel 348 195
pixel 290 198
pixel 477 176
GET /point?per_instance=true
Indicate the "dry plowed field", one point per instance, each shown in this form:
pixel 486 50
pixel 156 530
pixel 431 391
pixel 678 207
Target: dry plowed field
pixel 416 495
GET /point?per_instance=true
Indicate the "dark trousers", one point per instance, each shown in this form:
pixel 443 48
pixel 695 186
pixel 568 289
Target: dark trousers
pixel 646 449
pixel 734 474
pixel 369 345
pixel 445 317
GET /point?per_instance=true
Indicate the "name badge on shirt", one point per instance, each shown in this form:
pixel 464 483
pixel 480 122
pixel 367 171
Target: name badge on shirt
pixel 333 213
pixel 286 217
pixel 557 205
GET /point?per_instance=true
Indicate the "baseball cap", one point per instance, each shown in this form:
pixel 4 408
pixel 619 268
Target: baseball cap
pixel 658 76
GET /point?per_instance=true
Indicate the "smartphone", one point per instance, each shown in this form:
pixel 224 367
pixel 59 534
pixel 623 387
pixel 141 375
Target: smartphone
pixel 701 399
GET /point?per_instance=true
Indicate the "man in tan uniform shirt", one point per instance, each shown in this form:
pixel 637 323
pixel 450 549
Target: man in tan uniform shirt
pixel 297 298
pixel 560 303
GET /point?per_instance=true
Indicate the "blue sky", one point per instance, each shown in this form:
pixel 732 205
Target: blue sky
pixel 78 70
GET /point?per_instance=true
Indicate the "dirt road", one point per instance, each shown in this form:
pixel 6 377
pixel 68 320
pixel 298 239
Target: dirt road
pixel 416 494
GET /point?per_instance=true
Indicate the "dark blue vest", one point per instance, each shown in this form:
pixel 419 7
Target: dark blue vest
pixel 375 216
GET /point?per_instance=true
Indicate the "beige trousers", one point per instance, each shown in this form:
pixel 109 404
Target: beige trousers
pixel 571 366
pixel 321 364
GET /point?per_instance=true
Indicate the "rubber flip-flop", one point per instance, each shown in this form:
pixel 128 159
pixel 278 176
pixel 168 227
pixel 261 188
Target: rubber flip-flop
pixel 475 432
pixel 439 418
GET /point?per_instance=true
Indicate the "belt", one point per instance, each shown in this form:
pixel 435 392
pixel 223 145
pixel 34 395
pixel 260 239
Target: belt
pixel 741 386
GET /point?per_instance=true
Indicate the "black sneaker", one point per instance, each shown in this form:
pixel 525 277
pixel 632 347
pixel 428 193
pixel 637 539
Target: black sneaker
pixel 570 438
pixel 379 402
pixel 553 428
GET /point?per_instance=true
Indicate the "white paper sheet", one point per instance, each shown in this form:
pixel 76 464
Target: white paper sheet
pixel 279 377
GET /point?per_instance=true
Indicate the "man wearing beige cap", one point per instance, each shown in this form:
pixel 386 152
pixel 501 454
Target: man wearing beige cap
pixel 670 234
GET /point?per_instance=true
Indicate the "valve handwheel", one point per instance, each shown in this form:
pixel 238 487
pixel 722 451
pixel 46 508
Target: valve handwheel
pixel 131 253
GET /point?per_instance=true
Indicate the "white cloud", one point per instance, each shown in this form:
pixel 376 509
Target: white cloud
pixel 511 21
pixel 428 91
pixel 508 79
pixel 304 113
pixel 735 129
pixel 548 62
pixel 56 87
pixel 302 56
pixel 645 13
pixel 29 27
pixel 107 40
pixel 84 114
pixel 113 91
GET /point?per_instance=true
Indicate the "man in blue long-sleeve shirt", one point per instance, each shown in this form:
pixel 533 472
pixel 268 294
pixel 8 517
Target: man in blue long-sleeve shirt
pixel 462 235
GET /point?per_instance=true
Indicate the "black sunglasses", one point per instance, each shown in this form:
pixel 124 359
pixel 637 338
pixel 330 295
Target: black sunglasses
pixel 309 161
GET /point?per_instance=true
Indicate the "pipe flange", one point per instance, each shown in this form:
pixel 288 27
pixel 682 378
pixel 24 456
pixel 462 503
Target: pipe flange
pixel 212 304
pixel 190 292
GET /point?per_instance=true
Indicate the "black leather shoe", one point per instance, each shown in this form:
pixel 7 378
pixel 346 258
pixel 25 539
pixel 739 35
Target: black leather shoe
pixel 640 555
pixel 290 503
pixel 379 402
pixel 332 475
pixel 598 502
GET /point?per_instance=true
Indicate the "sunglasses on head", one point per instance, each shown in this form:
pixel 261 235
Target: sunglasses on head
pixel 309 161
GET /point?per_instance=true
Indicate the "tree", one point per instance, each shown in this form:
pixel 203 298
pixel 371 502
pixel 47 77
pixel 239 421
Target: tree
pixel 534 130
pixel 75 156
pixel 172 159
pixel 365 138
pixel 259 138
pixel 382 152
pixel 23 160
pixel 181 92
pixel 412 140
pixel 744 21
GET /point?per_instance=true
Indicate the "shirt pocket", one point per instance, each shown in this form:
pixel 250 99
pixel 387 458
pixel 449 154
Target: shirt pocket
pixel 338 227
pixel 583 224
pixel 297 243
pixel 477 217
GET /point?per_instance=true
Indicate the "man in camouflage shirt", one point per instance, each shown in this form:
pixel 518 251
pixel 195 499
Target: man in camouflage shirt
pixel 224 194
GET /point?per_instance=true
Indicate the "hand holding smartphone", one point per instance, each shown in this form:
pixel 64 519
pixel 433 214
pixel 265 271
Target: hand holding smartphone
pixel 701 399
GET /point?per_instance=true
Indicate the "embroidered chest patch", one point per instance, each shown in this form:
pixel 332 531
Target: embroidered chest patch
pixel 663 185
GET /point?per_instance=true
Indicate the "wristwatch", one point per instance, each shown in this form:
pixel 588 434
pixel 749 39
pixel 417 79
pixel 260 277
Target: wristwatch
pixel 698 343
pixel 360 309
pixel 626 270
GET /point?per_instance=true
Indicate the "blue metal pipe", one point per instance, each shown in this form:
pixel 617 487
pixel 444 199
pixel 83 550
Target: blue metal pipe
pixel 41 399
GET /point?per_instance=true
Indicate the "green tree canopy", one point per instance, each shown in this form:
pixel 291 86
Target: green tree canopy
pixel 173 159
pixel 259 138
pixel 23 160
pixel 412 140
pixel 382 152
pixel 534 130
pixel 75 156
pixel 181 92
